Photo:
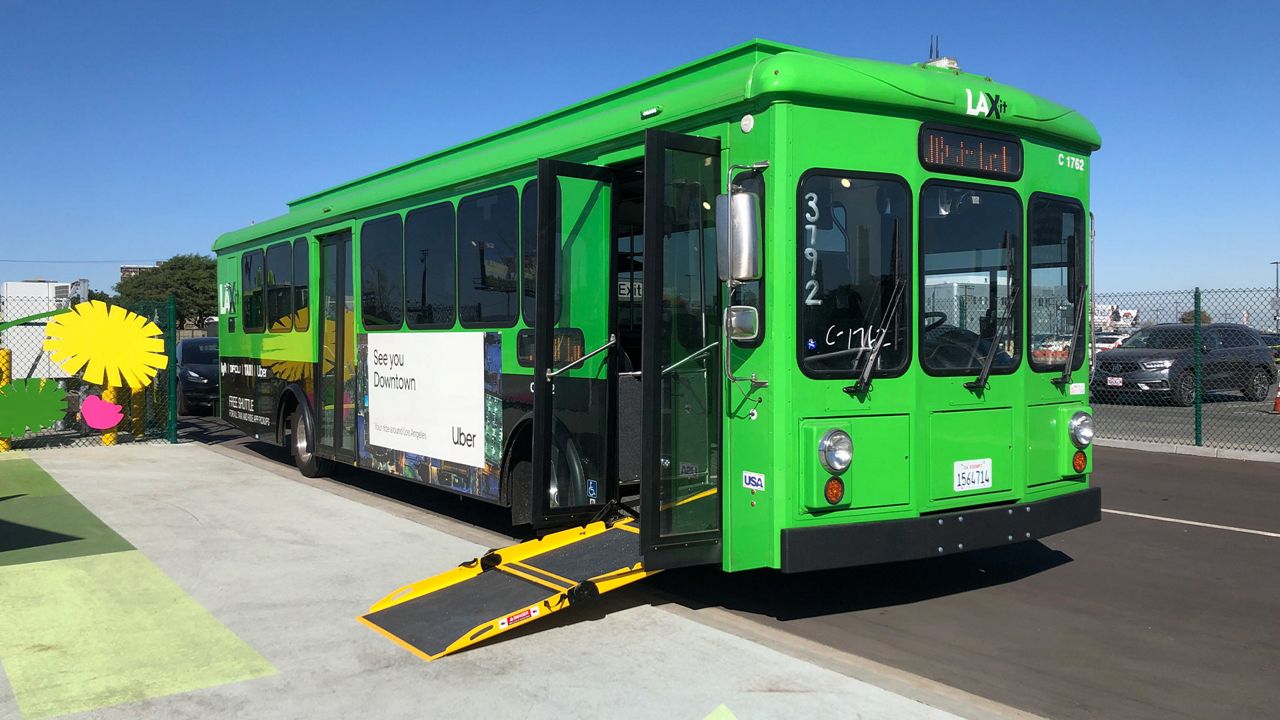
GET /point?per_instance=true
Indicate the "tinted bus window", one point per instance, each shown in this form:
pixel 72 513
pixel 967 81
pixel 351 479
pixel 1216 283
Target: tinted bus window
pixel 1057 260
pixel 429 266
pixel 252 291
pixel 280 288
pixel 488 259
pixel 301 285
pixel 529 250
pixel 382 273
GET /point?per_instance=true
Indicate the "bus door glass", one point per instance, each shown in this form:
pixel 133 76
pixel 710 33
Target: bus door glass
pixel 335 391
pixel 575 353
pixel 680 370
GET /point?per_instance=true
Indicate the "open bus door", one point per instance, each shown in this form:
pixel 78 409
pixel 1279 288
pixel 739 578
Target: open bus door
pixel 680 467
pixel 575 348
pixel 575 436
pixel 575 424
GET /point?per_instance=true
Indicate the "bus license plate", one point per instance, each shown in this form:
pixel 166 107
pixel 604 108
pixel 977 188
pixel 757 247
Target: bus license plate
pixel 972 474
pixel 1115 382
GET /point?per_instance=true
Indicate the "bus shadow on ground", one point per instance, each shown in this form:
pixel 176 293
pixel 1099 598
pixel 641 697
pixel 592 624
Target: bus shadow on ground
pixel 762 592
pixel 830 592
pixel 794 597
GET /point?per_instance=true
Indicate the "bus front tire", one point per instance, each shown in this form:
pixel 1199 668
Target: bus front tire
pixel 300 432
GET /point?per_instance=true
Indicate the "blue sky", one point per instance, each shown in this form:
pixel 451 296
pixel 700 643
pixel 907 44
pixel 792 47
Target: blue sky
pixel 132 131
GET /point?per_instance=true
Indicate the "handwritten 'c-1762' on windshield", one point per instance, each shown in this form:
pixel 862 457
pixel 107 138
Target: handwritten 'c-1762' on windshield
pixel 859 340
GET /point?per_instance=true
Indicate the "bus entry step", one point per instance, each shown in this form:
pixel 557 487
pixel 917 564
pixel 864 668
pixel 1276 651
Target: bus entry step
pixel 513 586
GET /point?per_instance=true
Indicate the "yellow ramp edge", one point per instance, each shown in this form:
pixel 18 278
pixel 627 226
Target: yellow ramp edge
pixel 505 588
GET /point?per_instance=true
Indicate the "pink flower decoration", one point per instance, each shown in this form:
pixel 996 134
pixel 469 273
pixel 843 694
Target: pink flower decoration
pixel 100 414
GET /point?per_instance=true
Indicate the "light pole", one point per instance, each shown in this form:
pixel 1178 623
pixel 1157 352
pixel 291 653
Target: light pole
pixel 1275 302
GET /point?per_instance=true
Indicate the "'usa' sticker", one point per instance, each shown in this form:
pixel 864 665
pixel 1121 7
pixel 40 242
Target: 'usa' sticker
pixel 753 481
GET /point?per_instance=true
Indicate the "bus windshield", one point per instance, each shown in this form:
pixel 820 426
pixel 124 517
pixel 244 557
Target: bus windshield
pixel 854 247
pixel 968 240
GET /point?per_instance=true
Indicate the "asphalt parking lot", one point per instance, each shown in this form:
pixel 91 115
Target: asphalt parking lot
pixel 1228 421
pixel 1130 618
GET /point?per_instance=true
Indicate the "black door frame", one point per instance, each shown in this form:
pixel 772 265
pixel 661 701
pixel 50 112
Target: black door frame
pixel 343 240
pixel 694 548
pixel 543 514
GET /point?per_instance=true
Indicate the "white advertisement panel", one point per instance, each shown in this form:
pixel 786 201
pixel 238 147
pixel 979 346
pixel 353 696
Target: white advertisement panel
pixel 426 394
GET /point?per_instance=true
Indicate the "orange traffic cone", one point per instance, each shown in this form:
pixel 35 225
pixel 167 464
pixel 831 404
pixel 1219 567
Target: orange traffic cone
pixel 1277 406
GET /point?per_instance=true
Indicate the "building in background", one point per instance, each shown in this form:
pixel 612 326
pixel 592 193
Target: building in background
pixel 26 341
pixel 128 271
pixel 79 291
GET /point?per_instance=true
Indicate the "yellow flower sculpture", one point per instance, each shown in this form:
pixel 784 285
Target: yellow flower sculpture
pixel 114 346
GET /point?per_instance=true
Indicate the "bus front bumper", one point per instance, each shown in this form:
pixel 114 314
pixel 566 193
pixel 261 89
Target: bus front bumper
pixel 832 546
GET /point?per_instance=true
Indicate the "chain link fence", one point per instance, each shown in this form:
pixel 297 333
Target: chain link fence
pixel 1192 367
pixel 53 402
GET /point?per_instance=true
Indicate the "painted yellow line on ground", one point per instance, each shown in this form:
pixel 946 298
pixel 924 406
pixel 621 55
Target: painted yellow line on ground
pixel 1263 533
pixel 90 632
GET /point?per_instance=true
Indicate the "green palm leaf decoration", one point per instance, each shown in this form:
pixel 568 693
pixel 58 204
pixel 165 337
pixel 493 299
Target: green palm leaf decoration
pixel 32 404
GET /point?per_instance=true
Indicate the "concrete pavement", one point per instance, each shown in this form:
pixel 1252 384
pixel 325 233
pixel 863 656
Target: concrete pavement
pixel 287 566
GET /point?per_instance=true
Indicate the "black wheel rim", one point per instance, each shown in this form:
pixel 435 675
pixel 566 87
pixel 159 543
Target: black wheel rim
pixel 1187 389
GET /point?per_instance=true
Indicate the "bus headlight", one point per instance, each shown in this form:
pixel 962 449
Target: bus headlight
pixel 835 451
pixel 1081 429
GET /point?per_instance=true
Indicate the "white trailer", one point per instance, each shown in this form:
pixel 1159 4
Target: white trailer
pixel 26 341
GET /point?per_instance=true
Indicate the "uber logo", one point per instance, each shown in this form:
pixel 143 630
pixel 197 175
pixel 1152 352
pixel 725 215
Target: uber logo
pixel 465 439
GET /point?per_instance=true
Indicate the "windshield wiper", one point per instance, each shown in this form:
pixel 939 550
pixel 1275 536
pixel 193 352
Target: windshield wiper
pixel 1015 284
pixel 1065 377
pixel 864 380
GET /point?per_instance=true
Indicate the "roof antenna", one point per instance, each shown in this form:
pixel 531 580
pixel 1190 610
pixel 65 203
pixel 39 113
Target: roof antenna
pixel 935 55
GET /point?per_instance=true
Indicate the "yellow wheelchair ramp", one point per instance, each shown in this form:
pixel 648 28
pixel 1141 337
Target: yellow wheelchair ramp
pixel 510 587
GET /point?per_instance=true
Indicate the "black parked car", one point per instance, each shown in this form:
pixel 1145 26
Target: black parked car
pixel 1160 360
pixel 197 374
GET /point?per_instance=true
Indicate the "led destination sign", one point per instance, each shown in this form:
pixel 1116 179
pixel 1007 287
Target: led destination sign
pixel 965 153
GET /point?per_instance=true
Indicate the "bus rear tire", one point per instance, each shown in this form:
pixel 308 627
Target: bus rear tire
pixel 300 435
pixel 522 492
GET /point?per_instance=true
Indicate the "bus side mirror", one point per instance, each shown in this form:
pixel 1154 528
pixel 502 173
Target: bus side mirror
pixel 741 212
pixel 741 322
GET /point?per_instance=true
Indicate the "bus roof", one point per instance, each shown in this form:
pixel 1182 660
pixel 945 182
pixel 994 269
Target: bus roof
pixel 755 70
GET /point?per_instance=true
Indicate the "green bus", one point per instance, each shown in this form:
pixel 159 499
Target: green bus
pixel 812 311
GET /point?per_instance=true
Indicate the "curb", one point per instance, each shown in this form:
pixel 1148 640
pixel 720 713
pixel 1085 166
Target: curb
pixel 1224 453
